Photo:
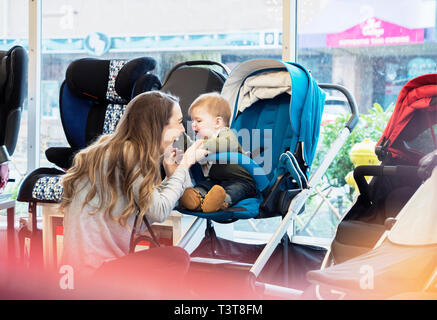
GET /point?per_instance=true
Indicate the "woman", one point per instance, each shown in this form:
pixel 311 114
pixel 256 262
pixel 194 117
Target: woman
pixel 119 173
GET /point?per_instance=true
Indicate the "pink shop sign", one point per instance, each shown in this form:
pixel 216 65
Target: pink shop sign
pixel 375 32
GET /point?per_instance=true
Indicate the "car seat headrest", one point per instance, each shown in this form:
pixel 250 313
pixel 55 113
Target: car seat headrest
pixel 106 81
pixel 130 73
pixel 3 74
pixel 201 80
pixel 147 82
pixel 13 68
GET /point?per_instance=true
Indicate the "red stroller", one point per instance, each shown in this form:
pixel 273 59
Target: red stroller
pixel 409 136
pixel 388 235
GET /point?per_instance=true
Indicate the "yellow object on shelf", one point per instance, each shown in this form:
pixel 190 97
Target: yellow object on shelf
pixel 362 153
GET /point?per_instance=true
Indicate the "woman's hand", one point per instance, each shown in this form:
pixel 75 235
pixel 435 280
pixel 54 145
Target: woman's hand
pixel 172 157
pixel 193 154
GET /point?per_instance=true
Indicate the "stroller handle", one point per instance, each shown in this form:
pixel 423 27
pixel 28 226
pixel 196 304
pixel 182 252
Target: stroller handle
pixel 353 120
pixel 361 172
pixel 4 155
pixel 196 63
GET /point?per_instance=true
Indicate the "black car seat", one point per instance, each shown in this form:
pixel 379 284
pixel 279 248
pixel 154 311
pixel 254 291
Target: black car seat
pixel 13 89
pixel 200 79
pixel 92 99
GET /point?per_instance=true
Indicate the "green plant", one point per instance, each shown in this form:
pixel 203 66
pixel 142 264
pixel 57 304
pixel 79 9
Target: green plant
pixel 370 125
pixel 12 188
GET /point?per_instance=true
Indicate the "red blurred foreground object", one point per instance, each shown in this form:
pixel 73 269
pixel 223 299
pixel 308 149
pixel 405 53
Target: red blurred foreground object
pixel 163 273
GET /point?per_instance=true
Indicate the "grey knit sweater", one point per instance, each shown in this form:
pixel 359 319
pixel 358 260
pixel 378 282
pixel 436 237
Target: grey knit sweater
pixel 91 239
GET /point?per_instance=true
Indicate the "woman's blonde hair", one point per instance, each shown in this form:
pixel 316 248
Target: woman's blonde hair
pixel 115 161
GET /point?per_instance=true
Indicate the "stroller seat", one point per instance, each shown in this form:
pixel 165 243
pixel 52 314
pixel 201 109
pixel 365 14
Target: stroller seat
pixel 278 135
pixel 273 112
pixel 355 237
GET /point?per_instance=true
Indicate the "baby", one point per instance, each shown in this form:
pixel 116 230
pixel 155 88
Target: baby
pixel 225 184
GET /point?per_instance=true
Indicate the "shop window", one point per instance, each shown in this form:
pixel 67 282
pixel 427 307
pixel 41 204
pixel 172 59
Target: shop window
pixel 372 48
pixel 227 31
pixel 14 31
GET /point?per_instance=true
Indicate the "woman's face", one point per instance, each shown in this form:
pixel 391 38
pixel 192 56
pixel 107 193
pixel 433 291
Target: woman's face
pixel 173 129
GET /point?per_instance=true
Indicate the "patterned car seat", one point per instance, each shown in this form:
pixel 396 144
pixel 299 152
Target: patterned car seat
pixel 93 97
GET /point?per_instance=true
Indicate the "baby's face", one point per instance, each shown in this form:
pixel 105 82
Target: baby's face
pixel 204 124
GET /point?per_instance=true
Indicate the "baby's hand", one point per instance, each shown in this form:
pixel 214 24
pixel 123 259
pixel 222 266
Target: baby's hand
pixel 194 153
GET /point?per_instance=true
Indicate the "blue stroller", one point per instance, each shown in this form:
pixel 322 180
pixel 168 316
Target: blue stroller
pixel 277 109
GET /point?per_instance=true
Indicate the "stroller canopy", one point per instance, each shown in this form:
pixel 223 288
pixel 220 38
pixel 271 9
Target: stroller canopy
pixel 306 103
pixel 417 100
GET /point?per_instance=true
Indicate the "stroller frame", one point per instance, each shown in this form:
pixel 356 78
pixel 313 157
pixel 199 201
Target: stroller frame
pixel 427 287
pixel 296 204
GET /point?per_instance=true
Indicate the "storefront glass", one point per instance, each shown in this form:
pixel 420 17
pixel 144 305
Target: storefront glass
pixel 14 31
pixel 169 31
pixel 372 48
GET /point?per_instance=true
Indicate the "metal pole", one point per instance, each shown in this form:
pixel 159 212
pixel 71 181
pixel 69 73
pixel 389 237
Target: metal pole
pixel 5 18
pixel 278 291
pixel 289 30
pixel 306 225
pixel 190 233
pixel 325 199
pixel 34 85
pixel 285 257
pixel 297 204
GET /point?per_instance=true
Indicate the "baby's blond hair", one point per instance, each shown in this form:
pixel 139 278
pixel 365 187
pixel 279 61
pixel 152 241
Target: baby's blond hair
pixel 214 104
